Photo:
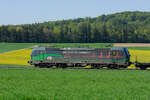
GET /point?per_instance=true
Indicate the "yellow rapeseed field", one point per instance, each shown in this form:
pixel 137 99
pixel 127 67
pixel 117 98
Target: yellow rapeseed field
pixel 140 55
pixel 17 57
pixel 20 57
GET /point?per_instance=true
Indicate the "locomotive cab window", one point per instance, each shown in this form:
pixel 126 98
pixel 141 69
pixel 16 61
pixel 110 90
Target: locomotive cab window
pixel 37 52
pixel 42 52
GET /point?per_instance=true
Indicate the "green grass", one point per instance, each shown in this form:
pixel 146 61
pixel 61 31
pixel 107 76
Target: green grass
pixel 57 84
pixel 13 65
pixel 4 47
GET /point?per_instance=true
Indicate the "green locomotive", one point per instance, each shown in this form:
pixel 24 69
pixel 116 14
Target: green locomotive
pixel 80 57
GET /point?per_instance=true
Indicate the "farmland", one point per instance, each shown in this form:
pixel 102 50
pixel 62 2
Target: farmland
pixel 19 54
pixel 69 84
pixel 57 84
pixel 16 57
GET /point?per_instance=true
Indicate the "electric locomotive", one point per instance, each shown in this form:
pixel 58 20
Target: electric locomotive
pixel 112 58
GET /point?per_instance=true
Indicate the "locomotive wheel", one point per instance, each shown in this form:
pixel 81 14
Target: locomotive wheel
pixel 61 65
pixel 143 68
pixel 36 65
pixel 123 66
pixel 49 66
pixel 112 67
pixel 64 65
pixel 96 66
pixel 44 66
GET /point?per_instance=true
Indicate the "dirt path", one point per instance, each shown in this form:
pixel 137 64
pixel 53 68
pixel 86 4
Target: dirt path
pixel 131 44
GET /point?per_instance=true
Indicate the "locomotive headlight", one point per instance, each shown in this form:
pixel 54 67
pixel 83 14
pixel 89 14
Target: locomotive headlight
pixel 49 58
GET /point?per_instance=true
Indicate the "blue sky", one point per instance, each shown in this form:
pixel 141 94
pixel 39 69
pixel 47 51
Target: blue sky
pixel 31 11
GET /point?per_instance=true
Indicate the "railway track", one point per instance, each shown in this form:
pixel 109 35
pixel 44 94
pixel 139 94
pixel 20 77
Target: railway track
pixel 13 67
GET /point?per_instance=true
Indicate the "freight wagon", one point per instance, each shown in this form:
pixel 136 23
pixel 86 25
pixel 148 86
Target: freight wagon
pixel 112 58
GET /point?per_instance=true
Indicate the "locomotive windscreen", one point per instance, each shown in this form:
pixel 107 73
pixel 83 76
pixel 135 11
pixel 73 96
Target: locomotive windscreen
pixel 37 51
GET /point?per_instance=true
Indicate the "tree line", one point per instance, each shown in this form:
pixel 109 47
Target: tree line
pixel 122 27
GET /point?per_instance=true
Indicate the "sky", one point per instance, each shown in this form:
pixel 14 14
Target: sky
pixel 13 12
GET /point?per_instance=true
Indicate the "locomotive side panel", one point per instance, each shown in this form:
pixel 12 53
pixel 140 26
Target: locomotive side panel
pixel 119 56
pixel 78 56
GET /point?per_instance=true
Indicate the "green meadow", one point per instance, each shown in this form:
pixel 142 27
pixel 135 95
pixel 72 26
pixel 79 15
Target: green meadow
pixel 69 84
pixel 5 47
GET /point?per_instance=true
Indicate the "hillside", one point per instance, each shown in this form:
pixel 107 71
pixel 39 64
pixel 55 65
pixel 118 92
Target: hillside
pixel 120 27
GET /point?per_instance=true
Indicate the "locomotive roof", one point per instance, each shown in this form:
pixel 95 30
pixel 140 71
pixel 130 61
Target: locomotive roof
pixel 117 48
pixel 77 48
pixel 43 48
pixel 39 48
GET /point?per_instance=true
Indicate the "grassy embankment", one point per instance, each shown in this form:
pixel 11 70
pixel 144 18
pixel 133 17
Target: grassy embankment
pixel 45 84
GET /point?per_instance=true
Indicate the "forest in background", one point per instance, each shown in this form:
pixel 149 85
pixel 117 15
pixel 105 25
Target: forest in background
pixel 124 27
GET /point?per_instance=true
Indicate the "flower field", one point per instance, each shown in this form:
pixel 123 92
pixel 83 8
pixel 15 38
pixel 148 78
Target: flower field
pixel 140 55
pixel 17 57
